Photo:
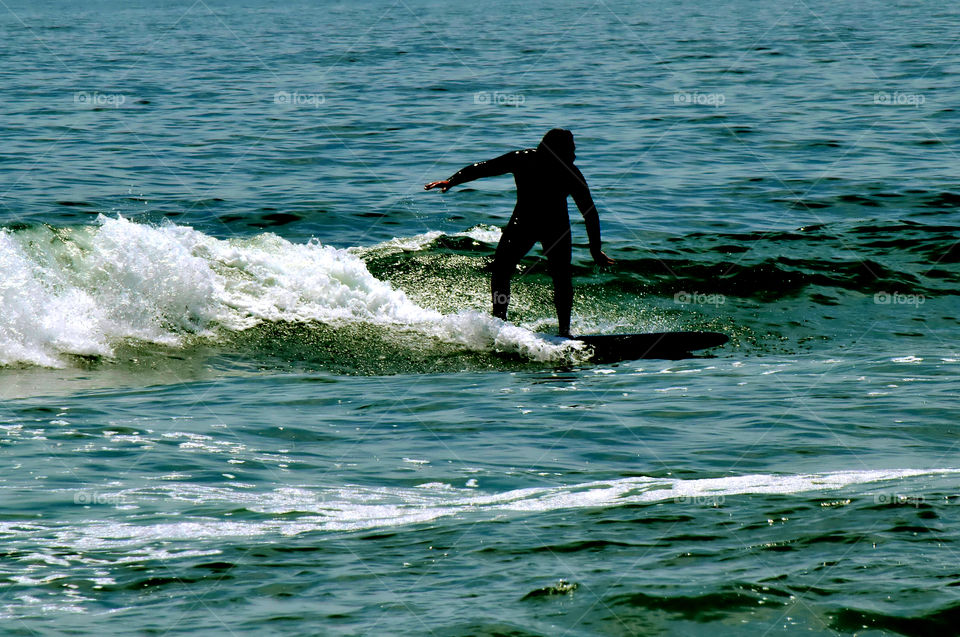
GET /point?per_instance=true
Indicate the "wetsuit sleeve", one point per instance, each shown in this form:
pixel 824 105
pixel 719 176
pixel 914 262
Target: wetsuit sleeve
pixel 581 196
pixel 497 166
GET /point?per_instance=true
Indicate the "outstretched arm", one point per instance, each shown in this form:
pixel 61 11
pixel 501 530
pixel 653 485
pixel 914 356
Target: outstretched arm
pixel 581 196
pixel 496 166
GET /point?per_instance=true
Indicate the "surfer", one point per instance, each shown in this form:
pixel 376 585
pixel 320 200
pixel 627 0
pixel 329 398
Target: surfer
pixel 545 177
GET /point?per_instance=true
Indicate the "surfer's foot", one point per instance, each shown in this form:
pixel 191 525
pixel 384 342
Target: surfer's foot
pixel 565 334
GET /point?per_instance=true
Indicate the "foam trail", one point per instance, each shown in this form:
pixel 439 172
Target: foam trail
pixel 353 508
pixel 84 290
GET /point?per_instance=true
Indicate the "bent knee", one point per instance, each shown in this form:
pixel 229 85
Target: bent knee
pixel 559 268
pixel 502 268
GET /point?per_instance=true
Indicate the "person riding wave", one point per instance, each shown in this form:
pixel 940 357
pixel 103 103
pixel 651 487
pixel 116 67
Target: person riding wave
pixel 545 177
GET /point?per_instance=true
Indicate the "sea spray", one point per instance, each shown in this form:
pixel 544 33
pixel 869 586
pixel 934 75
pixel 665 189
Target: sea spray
pixel 83 290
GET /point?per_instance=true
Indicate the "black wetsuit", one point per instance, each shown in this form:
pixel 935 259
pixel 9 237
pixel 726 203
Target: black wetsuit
pixel 543 185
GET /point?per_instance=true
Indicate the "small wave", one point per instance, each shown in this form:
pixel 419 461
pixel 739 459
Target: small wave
pixel 85 290
pixel 821 262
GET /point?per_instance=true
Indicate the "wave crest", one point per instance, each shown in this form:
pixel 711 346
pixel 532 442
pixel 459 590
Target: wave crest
pixel 83 290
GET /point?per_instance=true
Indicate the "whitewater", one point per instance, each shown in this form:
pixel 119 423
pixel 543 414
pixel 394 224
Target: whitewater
pixel 84 289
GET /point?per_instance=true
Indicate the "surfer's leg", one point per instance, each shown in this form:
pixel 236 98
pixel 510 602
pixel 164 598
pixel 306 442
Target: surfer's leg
pixel 500 293
pixel 558 251
pixel 514 244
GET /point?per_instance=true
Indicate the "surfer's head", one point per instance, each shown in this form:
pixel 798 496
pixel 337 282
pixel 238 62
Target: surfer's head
pixel 558 143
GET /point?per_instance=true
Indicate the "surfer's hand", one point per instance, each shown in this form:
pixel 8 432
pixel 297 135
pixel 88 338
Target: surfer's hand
pixel 601 259
pixel 443 185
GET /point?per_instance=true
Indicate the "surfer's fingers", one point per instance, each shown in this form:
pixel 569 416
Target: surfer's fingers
pixel 443 185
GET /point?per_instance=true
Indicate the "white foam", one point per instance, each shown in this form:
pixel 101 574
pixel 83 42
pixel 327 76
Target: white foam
pixel 83 295
pixel 481 233
pixel 355 508
pixel 85 290
pixel 401 244
pixel 33 319
pixel 907 359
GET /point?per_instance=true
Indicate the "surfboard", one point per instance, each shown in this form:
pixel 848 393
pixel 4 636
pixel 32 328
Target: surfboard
pixel 669 345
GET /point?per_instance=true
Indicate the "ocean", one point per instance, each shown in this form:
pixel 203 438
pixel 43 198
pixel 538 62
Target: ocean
pixel 249 379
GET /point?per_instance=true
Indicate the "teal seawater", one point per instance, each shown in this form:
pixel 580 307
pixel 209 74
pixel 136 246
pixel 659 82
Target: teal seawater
pixel 250 387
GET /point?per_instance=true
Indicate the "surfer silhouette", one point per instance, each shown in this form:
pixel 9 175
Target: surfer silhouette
pixel 545 177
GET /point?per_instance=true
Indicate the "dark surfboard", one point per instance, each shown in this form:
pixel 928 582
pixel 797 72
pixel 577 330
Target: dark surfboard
pixel 669 345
